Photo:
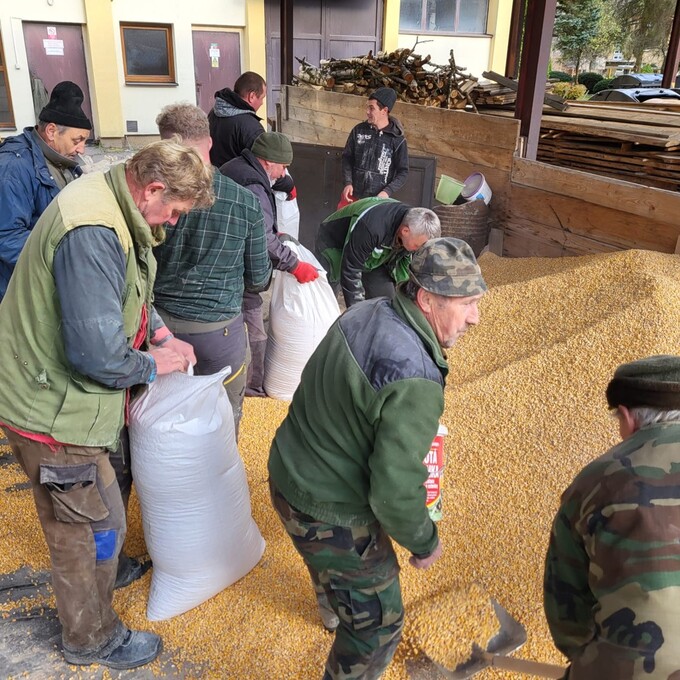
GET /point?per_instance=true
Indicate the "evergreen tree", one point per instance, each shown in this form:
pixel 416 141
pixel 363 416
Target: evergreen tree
pixel 646 26
pixel 577 25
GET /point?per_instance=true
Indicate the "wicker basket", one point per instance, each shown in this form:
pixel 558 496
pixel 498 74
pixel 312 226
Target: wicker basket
pixel 468 221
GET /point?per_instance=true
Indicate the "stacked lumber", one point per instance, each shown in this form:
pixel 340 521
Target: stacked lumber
pixel 633 142
pixel 489 93
pixel 415 78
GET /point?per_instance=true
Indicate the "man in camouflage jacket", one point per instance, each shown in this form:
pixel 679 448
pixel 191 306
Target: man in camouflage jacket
pixel 612 573
pixel 346 465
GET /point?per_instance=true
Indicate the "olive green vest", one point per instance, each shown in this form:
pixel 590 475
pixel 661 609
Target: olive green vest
pixel 42 393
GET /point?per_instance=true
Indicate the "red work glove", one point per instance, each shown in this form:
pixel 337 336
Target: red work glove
pixel 292 194
pixel 305 272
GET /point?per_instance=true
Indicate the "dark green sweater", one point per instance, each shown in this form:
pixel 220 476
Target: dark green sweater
pixel 351 448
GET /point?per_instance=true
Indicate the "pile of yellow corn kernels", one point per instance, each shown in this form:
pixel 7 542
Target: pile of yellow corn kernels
pixel 525 410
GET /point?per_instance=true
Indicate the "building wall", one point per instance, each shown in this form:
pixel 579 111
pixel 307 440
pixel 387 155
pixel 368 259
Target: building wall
pixel 114 101
pixel 477 53
pixel 11 17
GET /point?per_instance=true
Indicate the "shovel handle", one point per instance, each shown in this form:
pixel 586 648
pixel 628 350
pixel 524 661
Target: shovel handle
pixel 510 663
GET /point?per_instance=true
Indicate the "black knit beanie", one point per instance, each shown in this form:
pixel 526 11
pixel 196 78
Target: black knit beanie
pixel 64 107
pixel 386 96
pixel 654 381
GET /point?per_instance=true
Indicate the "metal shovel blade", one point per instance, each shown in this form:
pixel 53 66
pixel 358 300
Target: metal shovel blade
pixel 511 636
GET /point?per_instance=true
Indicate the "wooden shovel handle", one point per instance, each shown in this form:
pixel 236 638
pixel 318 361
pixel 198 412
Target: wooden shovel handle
pixel 510 663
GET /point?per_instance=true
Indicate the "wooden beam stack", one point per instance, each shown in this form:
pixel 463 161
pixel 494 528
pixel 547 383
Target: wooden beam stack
pixel 415 78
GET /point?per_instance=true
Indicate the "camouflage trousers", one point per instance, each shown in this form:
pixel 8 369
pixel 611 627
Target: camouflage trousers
pixel 357 570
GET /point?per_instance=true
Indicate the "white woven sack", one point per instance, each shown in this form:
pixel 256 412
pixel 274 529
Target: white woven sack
pixel 193 492
pixel 287 214
pixel 299 318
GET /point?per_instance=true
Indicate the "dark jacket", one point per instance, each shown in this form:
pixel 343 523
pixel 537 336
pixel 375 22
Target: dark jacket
pixel 375 160
pixel 26 189
pixel 361 237
pixel 362 420
pixel 247 171
pixel 234 126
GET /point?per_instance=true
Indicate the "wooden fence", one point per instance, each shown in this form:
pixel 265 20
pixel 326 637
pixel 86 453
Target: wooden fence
pixel 542 210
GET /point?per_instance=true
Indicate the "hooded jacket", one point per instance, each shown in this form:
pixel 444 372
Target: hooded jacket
pixel 26 189
pixel 234 126
pixel 375 160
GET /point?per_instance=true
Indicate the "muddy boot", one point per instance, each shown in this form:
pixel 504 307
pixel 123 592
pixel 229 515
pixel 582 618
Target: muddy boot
pixel 137 649
pixel 129 570
pixel 329 618
pixel 255 387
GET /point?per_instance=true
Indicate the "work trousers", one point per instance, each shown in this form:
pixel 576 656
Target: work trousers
pixel 257 339
pixel 216 349
pixel 358 571
pixel 81 513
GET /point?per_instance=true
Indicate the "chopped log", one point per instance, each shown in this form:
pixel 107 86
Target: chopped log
pixel 414 78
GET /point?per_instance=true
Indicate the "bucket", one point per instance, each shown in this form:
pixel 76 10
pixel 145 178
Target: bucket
pixel 448 189
pixel 467 221
pixel 434 462
pixel 476 188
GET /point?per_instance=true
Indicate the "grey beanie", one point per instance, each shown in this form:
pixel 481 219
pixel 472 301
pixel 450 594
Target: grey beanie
pixel 385 96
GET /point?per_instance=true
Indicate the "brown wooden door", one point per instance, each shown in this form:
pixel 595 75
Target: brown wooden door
pixel 55 52
pixel 217 63
pixel 323 29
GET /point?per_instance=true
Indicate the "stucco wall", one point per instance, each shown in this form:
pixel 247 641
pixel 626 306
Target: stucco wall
pixel 11 17
pixel 103 49
pixel 471 53
pixel 142 102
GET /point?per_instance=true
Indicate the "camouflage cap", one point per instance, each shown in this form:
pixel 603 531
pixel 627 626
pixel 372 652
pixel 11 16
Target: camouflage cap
pixel 447 266
pixel 654 381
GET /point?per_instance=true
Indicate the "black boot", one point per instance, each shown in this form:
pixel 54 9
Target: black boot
pixel 129 570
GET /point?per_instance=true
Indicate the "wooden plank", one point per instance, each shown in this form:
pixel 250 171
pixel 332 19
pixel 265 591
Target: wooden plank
pixel 633 114
pixel 469 127
pixel 496 241
pixel 653 204
pixel 602 224
pixel 418 142
pixel 545 241
pixel 640 134
pixel 298 131
pixel 452 147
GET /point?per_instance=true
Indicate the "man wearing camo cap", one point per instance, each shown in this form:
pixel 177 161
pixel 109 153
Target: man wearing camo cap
pixel 612 573
pixel 346 465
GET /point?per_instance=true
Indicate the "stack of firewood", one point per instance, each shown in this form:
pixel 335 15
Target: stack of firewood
pixel 414 78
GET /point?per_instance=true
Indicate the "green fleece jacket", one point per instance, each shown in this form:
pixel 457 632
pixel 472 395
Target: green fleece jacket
pixel 351 449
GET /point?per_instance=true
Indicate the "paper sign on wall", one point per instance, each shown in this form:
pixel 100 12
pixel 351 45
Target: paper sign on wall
pixel 54 47
pixel 52 31
pixel 214 53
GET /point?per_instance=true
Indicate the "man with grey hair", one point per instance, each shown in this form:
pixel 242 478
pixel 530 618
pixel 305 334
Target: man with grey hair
pixel 77 331
pixel 344 486
pixel 207 262
pixel 366 246
pixel 35 166
pixel 612 572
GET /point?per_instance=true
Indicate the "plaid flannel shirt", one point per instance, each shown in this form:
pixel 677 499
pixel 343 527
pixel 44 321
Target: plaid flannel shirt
pixel 211 256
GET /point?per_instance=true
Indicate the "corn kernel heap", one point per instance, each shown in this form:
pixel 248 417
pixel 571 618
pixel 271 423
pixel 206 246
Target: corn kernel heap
pixel 447 625
pixel 525 410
